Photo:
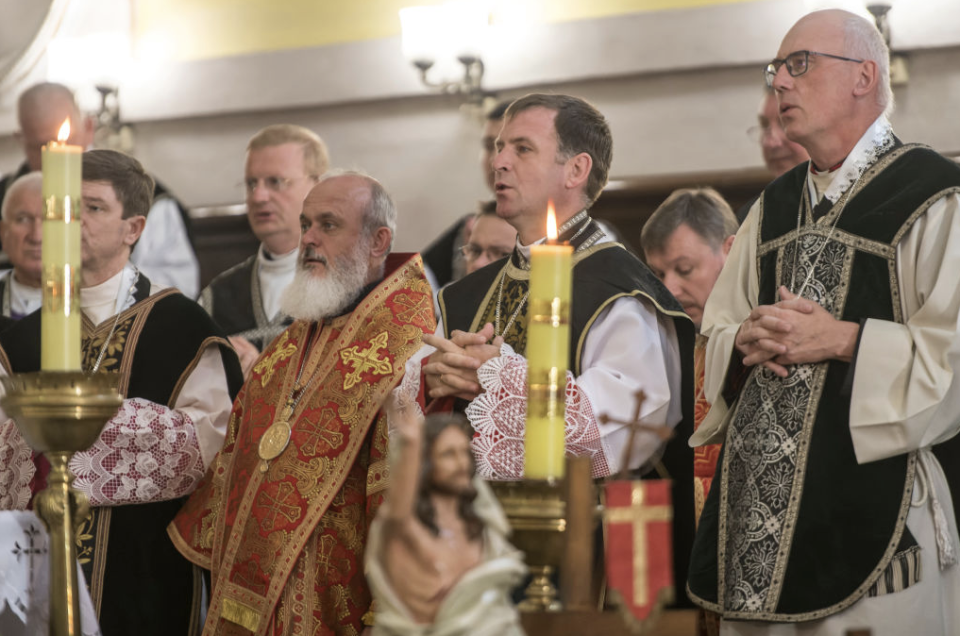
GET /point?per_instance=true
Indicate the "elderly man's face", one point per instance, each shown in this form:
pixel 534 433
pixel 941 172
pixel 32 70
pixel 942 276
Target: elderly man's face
pixel 332 226
pixel 689 267
pixel 819 102
pixel 779 153
pixel 21 234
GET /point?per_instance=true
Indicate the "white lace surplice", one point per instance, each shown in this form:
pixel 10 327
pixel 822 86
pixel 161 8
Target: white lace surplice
pixel 630 346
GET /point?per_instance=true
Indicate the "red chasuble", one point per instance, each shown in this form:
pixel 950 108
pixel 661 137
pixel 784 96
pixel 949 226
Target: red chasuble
pixel 284 538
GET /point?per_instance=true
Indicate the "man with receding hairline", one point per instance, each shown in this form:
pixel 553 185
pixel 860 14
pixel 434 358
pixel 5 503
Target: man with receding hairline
pixel 164 251
pixel 283 163
pixel 833 344
pixel 281 519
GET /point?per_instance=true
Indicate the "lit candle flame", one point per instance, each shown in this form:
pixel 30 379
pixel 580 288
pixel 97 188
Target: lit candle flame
pixel 551 222
pixel 64 133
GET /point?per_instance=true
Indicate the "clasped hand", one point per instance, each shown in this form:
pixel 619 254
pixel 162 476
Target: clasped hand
pixel 793 331
pixel 452 369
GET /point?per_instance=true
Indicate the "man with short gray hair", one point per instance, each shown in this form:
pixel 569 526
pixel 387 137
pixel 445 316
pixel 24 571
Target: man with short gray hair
pixel 307 431
pixel 21 222
pixel 831 367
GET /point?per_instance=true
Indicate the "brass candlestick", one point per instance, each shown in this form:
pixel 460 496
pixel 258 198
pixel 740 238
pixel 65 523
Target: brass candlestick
pixel 59 413
pixel 537 513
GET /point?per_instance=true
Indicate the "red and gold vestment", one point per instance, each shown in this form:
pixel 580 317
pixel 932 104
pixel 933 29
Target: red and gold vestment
pixel 285 545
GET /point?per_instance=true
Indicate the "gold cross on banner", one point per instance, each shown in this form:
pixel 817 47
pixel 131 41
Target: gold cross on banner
pixel 366 360
pixel 639 515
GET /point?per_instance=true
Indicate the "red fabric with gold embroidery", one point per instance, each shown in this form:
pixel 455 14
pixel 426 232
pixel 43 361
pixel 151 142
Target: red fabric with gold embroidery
pixel 704 457
pixel 285 546
pixel 639 543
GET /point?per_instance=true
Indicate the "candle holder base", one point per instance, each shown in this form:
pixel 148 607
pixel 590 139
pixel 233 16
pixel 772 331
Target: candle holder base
pixel 59 413
pixel 541 594
pixel 537 514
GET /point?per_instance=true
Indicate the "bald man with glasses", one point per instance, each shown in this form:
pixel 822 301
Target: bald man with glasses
pixel 283 163
pixel 832 344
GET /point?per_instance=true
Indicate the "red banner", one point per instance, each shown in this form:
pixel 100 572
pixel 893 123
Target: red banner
pixel 638 546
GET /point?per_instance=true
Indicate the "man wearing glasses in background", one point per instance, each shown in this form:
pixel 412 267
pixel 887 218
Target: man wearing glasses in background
pixel 283 163
pixel 491 238
pixel 832 342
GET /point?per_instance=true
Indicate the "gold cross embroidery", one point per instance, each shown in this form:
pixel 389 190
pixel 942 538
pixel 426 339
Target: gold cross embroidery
pixel 639 515
pixel 313 435
pixel 278 505
pixel 268 365
pixel 366 360
pixel 417 310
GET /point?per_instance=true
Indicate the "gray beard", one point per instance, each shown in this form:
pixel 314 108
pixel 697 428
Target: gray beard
pixel 313 299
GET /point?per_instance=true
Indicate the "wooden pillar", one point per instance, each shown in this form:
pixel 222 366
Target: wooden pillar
pixel 576 572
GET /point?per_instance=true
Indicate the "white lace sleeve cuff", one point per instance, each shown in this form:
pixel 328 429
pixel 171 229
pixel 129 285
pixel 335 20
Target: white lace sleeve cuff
pixel 498 417
pixel 16 468
pixel 147 452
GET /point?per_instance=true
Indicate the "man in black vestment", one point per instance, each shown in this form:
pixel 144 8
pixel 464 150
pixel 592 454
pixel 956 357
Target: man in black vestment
pixel 283 163
pixel 831 367
pixel 178 376
pixel 627 332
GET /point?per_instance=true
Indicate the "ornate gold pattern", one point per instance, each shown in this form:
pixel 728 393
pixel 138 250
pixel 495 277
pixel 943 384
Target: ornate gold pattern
pixel 268 365
pixel 829 287
pixel 368 359
pixel 260 556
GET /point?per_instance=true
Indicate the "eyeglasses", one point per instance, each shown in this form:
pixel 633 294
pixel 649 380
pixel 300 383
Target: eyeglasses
pixel 274 184
pixel 797 64
pixel 472 251
pixel 758 133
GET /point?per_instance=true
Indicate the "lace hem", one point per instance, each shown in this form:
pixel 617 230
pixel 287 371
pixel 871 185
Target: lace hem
pixel 16 468
pixel 147 452
pixel 498 417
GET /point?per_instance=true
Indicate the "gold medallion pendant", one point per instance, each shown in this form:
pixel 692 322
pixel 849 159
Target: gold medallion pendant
pixel 273 442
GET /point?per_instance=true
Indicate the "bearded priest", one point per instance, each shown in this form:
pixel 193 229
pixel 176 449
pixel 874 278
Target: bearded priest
pixel 282 516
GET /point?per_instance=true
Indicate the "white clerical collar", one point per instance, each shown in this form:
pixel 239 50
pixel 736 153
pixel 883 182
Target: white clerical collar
pixel 23 298
pixel 524 250
pixel 111 296
pixel 877 140
pixel 268 261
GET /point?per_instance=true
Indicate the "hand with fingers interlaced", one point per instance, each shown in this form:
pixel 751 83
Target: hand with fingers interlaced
pixel 452 369
pixel 794 331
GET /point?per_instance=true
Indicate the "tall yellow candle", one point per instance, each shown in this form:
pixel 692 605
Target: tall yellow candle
pixel 547 351
pixel 60 317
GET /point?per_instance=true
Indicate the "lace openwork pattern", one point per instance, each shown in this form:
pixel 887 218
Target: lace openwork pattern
pixel 498 416
pixel 16 468
pixel 146 452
